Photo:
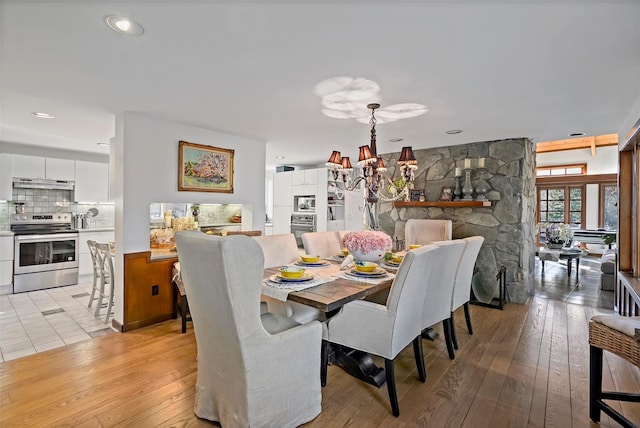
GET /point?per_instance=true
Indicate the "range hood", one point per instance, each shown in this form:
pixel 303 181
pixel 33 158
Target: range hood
pixel 42 183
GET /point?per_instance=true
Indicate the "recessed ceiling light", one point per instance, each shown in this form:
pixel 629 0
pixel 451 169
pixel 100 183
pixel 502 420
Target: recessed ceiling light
pixel 279 157
pixel 395 140
pixel 42 115
pixel 454 131
pixel 576 134
pixel 103 144
pixel 123 25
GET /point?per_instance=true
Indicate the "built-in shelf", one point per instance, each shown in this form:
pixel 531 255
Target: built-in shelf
pixel 447 204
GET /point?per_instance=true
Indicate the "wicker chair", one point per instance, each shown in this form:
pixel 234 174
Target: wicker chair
pixel 617 335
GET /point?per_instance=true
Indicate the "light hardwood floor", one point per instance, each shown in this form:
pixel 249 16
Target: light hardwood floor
pixel 525 366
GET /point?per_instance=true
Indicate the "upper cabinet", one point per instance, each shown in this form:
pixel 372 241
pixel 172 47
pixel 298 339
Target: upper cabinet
pixel 38 167
pixel 5 177
pixel 28 166
pixel 92 182
pixel 60 169
pixel 304 177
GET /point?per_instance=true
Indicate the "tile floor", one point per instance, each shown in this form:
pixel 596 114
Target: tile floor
pixel 40 320
pixel 45 319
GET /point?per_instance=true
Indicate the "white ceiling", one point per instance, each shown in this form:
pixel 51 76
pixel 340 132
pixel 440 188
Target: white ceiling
pixel 495 69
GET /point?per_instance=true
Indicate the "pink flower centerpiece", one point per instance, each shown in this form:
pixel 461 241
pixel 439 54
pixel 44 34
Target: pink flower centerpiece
pixel 367 245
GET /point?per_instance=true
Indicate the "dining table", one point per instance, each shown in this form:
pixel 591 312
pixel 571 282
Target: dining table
pixel 336 291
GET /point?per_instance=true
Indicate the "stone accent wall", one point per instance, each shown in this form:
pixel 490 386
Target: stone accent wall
pixel 508 226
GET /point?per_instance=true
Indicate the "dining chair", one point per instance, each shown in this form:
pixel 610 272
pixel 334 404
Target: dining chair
pixel 385 330
pixel 426 231
pixel 462 283
pixel 437 305
pixel 253 369
pixel 323 244
pixel 181 302
pixel 279 250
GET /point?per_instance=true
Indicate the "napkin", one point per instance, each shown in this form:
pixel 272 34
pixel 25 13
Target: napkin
pixel 347 262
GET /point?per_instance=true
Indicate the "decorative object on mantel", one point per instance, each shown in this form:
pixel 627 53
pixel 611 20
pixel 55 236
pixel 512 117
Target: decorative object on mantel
pixel 204 168
pixel 554 235
pixel 446 194
pixel 467 189
pixel 367 245
pixel 481 188
pixel 457 192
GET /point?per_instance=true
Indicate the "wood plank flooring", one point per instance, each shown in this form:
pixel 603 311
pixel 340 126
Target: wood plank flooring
pixel 524 366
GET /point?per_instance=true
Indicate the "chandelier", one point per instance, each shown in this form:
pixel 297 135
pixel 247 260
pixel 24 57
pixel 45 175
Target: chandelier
pixel 373 169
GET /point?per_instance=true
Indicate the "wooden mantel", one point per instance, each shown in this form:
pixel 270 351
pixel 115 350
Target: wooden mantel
pixel 442 204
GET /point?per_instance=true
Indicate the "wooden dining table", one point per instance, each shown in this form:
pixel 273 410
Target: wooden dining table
pixel 329 298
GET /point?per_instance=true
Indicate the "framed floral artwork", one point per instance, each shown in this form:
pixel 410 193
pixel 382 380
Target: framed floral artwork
pixel 204 168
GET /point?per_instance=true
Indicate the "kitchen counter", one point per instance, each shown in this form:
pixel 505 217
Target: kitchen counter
pixel 97 229
pixel 159 254
pixel 6 233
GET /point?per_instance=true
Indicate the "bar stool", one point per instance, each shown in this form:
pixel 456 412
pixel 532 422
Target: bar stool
pixel 97 271
pixel 104 263
pixel 618 335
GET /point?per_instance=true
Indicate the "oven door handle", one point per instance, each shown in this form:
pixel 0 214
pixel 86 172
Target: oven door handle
pixel 47 237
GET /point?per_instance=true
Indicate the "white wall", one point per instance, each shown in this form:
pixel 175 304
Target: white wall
pixel 144 156
pixel 604 162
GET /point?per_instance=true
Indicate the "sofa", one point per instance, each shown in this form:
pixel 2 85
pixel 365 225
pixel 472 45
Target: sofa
pixel 608 270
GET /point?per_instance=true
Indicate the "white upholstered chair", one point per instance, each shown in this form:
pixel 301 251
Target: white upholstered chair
pixel 253 370
pixel 437 305
pixel 281 250
pixel 426 231
pixel 462 285
pixel 385 330
pixel 323 244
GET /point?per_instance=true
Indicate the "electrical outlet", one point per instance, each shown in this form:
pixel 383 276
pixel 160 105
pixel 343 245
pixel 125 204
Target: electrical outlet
pixel 154 290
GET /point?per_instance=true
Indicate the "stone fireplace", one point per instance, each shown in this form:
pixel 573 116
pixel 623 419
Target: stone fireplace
pixel 508 225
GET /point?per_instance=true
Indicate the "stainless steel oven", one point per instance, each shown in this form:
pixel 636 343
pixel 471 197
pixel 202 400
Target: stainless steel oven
pixel 45 251
pixel 302 223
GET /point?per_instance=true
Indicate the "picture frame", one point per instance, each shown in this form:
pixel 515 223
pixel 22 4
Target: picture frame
pixel 204 168
pixel 415 194
pixel 446 194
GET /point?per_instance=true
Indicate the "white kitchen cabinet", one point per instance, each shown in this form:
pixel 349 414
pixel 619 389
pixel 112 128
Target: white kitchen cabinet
pixel 28 166
pixel 304 177
pixel 282 189
pixel 60 169
pixel 305 182
pixel 6 174
pixel 92 182
pixel 86 264
pixel 281 220
pixel 6 260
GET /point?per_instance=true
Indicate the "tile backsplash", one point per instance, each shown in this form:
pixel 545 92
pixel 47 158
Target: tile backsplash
pixel 55 200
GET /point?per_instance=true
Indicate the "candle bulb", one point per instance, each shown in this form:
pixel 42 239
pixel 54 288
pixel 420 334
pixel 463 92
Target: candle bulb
pixel 458 172
pixel 467 163
pixel 480 162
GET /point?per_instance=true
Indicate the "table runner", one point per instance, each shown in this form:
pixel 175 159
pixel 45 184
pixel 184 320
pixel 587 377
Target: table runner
pixel 276 291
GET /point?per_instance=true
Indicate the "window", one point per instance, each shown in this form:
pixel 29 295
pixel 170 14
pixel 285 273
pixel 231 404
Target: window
pixel 558 170
pixel 608 218
pixel 561 204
